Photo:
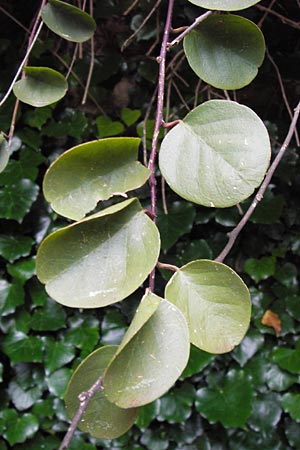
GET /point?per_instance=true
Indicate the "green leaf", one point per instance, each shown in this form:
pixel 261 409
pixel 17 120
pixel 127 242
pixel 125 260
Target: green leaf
pixel 11 296
pixel 38 117
pixel 248 347
pixel 16 200
pixel 19 428
pixel 101 419
pixel 130 116
pixel 225 51
pixel 4 152
pixel 58 381
pixel 122 238
pixel 91 172
pixel 50 317
pixel 41 86
pixel 197 249
pixel 291 430
pixel 147 414
pixel 287 359
pixel 215 302
pixel 152 354
pixel 217 155
pixel 21 348
pixel 57 354
pixel 293 306
pixel 22 270
pixel 260 269
pixel 266 413
pixel 67 21
pixel 230 403
pixel 176 223
pixel 224 5
pixel 21 398
pixel 176 405
pixel 113 328
pixel 107 127
pixel 291 404
pixel 13 247
pixel 279 380
pixel 198 360
pixel 25 167
pixel 269 210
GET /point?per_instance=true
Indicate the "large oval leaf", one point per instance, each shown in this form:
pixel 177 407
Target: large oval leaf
pixel 41 86
pixel 101 419
pixel 217 155
pixel 215 302
pixel 224 5
pixel 4 152
pixel 93 171
pixel 67 21
pixel 225 51
pixel 151 357
pixel 100 260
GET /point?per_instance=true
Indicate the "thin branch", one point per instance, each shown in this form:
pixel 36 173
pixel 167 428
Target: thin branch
pixel 283 19
pixel 188 29
pixel 236 231
pixel 159 117
pixel 130 8
pixel 168 125
pixel 126 43
pixel 92 62
pixel 161 265
pixel 265 14
pixel 84 400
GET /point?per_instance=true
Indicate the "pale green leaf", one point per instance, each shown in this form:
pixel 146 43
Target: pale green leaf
pixel 217 155
pixel 101 419
pixel 4 152
pixel 41 86
pixel 224 5
pixel 225 51
pixel 67 21
pixel 91 172
pixel 215 302
pixel 100 260
pixel 151 357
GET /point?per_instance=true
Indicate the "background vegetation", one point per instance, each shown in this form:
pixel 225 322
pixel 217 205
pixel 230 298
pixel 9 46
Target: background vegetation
pixel 249 398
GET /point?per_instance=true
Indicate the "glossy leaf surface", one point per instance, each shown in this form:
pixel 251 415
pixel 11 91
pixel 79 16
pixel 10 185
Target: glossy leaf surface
pixel 67 21
pixel 4 153
pixel 100 260
pixel 93 171
pixel 217 155
pixel 224 5
pixel 151 357
pixel 101 419
pixel 215 302
pixel 41 86
pixel 225 51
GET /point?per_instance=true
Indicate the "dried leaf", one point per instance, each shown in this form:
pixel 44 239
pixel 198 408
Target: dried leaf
pixel 271 319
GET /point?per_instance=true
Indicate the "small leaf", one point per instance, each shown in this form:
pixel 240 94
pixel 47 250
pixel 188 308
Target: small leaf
pixel 230 403
pixel 107 127
pixel 266 413
pixel 260 269
pixel 50 317
pixel 217 155
pixel 215 302
pixel 100 260
pixel 16 200
pixel 22 270
pixel 41 86
pixel 91 172
pixel 21 348
pixel 224 5
pixel 11 296
pixel 151 357
pixel 287 359
pixel 58 381
pixel 57 354
pixel 198 360
pixel 19 428
pixel 67 21
pixel 176 405
pixel 291 405
pixel 13 247
pixel 271 319
pixel 225 51
pixel 130 116
pixel 101 419
pixel 248 347
pixel 4 152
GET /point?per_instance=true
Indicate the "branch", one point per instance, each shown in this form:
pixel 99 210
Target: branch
pixel 171 267
pixel 236 231
pixel 84 399
pixel 92 62
pixel 188 29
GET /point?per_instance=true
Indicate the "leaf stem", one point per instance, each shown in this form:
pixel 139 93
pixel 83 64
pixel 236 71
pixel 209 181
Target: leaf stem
pixel 236 231
pixel 188 29
pixel 159 117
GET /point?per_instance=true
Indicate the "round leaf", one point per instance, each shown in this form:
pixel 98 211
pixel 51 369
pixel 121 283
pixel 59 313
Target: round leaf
pixel 151 357
pixel 225 51
pixel 215 302
pixel 67 21
pixel 101 419
pixel 4 153
pixel 217 155
pixel 93 171
pixel 41 86
pixel 224 5
pixel 100 260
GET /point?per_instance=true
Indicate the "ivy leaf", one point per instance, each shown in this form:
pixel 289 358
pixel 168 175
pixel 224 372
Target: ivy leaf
pixel 122 238
pixel 11 296
pixel 19 428
pixel 176 405
pixel 260 269
pixel 22 270
pixel 279 380
pixel 91 172
pixel 38 117
pixel 21 348
pixel 16 200
pixel 291 404
pixel 252 342
pixel 13 247
pixel 266 413
pixel 50 317
pixel 215 302
pixel 198 360
pixel 107 127
pixel 224 5
pixel 21 398
pixel 4 152
pixel 113 328
pixel 236 393
pixel 58 381
pixel 67 21
pixel 217 155
pixel 151 356
pixel 57 354
pixel 101 419
pixel 287 359
pixel 225 51
pixel 130 116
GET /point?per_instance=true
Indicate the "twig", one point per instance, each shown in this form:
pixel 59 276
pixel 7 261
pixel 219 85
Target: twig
pixel 130 8
pixel 92 62
pixel 126 43
pixel 180 96
pixel 265 14
pixel 84 400
pixel 188 29
pixel 236 231
pixel 159 117
pixel 283 19
pixel 168 125
pixel 161 265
